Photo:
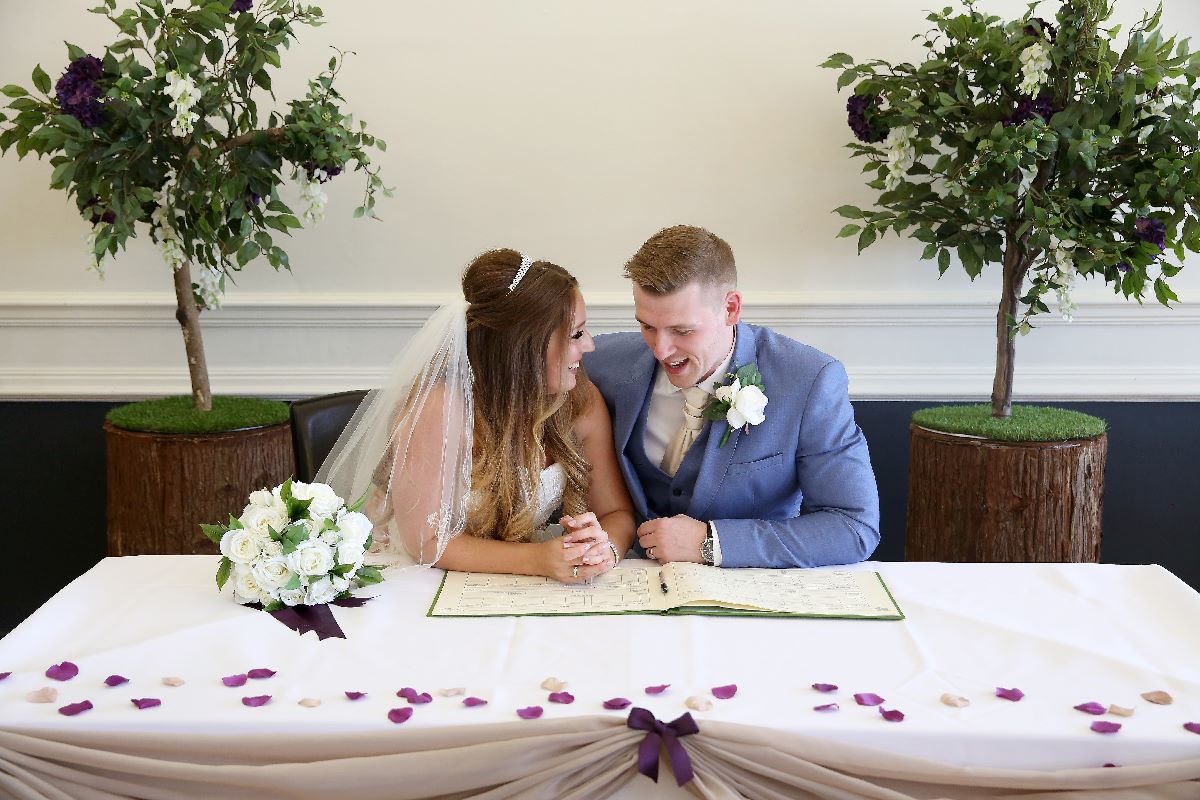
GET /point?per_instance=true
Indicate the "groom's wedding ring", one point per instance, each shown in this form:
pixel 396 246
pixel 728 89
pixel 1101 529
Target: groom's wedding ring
pixel 650 552
pixel 575 571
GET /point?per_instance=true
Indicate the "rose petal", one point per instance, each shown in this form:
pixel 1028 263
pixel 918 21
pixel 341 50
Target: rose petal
pixel 257 700
pixel 724 692
pixel 1194 727
pixel 1009 694
pixel 1110 764
pixel 1158 698
pixel 398 715
pixel 895 715
pixel 617 703
pixel 698 703
pixel 825 687
pixel 408 693
pixel 173 681
pixel 868 699
pixel 553 685
pixel 47 694
pixel 260 673
pixel 566 698
pixel 235 680
pixel 1120 711
pixel 955 701
pixel 456 691
pixel 826 707
pixel 420 699
pixel 355 695
pixel 62 672
pixel 75 708
pixel 1103 726
pixel 146 702
pixel 472 702
pixel 662 687
pixel 530 712
pixel 4 675
pixel 309 702
pixel 1091 708
pixel 116 680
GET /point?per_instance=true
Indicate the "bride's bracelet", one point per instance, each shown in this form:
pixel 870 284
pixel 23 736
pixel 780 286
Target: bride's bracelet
pixel 616 555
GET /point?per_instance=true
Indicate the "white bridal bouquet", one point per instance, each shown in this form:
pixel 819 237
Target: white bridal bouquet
pixel 295 545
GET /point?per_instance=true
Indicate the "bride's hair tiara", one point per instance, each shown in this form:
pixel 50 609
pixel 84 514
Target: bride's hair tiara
pixel 526 263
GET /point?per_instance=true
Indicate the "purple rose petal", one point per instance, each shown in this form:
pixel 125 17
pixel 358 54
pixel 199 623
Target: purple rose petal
pixel 825 687
pixel 75 708
pixel 146 702
pixel 62 672
pixel 398 715
pixel 419 699
pixel 1194 727
pixel 257 700
pixel 566 698
pixel 115 680
pixel 531 712
pixel 1101 726
pixel 724 692
pixel 617 703
pixel 235 680
pixel 657 689
pixel 355 695
pixel 4 675
pixel 260 673
pixel 1091 708
pixel 867 699
pixel 894 715
pixel 1009 694
pixel 472 702
pixel 826 707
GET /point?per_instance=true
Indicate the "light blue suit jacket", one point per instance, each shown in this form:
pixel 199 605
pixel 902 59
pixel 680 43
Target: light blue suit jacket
pixel 797 490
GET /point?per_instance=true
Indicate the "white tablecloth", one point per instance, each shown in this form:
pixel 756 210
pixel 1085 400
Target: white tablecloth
pixel 1063 634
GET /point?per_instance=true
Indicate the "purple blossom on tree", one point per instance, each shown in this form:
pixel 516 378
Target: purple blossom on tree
pixel 240 6
pixel 1152 230
pixel 77 91
pixel 1027 107
pixel 1048 29
pixel 866 130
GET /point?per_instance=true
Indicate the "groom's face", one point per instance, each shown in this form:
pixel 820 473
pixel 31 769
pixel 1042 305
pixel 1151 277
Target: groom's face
pixel 690 330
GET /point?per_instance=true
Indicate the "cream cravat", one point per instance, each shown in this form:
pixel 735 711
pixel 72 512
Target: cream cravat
pixel 694 400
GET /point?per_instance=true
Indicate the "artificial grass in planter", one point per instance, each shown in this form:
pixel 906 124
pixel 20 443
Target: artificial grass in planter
pixel 1027 423
pixel 176 415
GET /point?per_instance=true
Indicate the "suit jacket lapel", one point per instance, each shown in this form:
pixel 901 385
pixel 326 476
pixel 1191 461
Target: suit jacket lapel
pixel 716 458
pixel 632 397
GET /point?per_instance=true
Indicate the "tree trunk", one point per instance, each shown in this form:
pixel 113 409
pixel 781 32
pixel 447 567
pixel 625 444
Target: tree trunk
pixel 188 316
pixel 1015 266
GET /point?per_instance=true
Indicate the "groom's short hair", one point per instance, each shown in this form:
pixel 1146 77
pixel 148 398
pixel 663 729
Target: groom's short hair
pixel 676 256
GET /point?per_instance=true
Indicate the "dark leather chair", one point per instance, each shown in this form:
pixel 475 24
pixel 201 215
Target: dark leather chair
pixel 317 422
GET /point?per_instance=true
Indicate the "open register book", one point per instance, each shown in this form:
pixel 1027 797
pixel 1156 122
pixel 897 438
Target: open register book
pixel 644 587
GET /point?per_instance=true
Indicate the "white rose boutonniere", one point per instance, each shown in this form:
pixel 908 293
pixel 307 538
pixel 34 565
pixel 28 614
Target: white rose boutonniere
pixel 740 403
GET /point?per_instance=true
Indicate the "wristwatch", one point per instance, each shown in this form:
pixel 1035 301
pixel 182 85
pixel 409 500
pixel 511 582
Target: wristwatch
pixel 706 548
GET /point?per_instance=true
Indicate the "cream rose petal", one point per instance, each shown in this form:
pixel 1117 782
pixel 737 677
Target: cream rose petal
pixel 173 681
pixel 553 684
pixel 1158 698
pixel 1120 711
pixel 455 691
pixel 698 703
pixel 47 694
pixel 310 702
pixel 954 701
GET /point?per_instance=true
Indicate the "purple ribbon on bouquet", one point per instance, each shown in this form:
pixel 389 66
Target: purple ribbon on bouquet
pixel 303 619
pixel 667 733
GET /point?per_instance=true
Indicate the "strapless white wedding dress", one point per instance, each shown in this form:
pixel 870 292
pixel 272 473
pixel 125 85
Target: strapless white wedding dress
pixel 551 485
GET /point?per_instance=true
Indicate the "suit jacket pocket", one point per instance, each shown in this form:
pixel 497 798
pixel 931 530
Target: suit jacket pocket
pixel 745 467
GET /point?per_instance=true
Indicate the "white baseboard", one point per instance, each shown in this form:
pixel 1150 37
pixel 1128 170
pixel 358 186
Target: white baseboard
pixel 895 346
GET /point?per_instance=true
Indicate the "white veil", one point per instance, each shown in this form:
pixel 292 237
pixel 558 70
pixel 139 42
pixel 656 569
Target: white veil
pixel 408 446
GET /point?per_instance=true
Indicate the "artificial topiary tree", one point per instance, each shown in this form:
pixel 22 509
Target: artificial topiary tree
pixel 164 130
pixel 1047 147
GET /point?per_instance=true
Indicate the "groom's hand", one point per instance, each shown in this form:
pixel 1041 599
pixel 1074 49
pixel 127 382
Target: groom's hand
pixel 675 538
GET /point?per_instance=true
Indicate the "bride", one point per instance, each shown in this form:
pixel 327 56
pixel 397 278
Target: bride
pixel 487 426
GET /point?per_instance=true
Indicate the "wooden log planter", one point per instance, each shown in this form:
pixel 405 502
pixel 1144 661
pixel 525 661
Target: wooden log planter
pixel 162 485
pixel 977 499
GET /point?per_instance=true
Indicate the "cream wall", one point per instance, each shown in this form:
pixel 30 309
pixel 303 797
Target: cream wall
pixel 571 131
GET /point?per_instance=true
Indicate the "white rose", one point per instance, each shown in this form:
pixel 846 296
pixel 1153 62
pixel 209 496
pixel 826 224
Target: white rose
pixel 272 549
pixel 271 573
pixel 245 587
pixel 241 546
pixel 726 393
pixel 266 498
pixel 325 502
pixel 311 557
pixel 747 407
pixel 350 553
pixel 354 527
pixel 258 518
pixel 321 591
pixel 339 583
pixel 292 597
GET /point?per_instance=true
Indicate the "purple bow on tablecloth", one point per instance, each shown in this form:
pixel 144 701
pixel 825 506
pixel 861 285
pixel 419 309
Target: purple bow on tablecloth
pixel 303 619
pixel 667 733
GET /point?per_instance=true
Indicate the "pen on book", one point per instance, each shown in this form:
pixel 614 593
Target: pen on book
pixel 662 581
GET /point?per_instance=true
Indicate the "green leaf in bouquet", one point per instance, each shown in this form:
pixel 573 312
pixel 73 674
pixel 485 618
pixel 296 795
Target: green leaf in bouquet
pixel 716 410
pixel 343 570
pixel 285 491
pixel 293 535
pixel 293 584
pixel 370 541
pixel 749 375
pixel 274 605
pixel 368 575
pixel 223 572
pixel 274 534
pixel 330 524
pixel 235 524
pixel 213 532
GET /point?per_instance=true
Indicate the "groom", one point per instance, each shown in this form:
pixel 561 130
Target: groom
pixel 796 490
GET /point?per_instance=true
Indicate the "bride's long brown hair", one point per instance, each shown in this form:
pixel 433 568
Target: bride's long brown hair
pixel 519 425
